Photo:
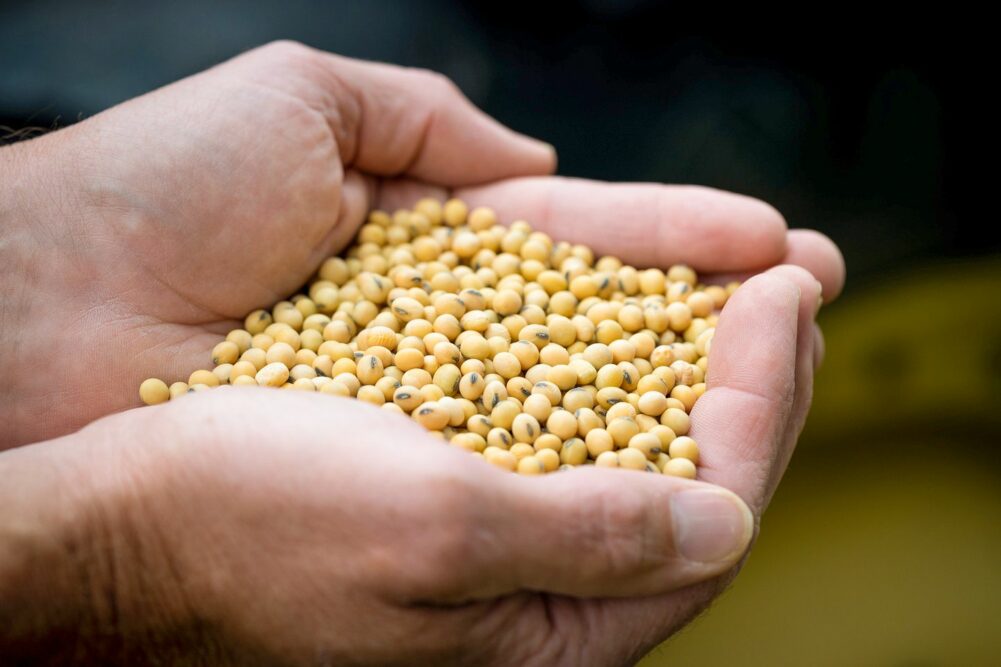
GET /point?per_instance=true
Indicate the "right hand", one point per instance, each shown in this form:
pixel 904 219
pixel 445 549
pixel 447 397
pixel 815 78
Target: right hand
pixel 305 529
pixel 295 528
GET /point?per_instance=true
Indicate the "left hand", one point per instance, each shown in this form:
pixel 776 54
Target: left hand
pixel 135 239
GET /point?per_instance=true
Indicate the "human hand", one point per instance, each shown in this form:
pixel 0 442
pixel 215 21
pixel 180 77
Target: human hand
pixel 134 239
pixel 242 526
pixel 168 218
pixel 765 352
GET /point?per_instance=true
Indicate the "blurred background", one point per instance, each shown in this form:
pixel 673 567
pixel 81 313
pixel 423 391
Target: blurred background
pixel 883 546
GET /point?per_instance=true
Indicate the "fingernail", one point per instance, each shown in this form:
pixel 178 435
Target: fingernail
pixel 711 525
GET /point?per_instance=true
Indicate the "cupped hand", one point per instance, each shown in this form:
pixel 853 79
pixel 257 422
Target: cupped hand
pixel 139 236
pixel 265 527
pixel 168 218
pixel 253 526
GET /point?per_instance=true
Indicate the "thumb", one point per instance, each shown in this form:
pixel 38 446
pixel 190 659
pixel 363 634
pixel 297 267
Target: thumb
pixel 607 533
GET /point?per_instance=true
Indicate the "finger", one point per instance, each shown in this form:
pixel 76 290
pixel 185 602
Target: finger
pixel 746 423
pixel 759 379
pixel 819 255
pixel 634 626
pixel 599 533
pixel 357 193
pixel 391 120
pixel 397 193
pixel 819 348
pixel 809 305
pixel 810 250
pixel 643 223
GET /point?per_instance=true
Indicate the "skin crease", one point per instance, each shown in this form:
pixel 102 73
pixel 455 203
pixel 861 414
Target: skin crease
pixel 325 545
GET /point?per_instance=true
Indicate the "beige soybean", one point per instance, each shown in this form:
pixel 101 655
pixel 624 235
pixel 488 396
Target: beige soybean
pixel 153 391
pixel 522 350
pixel 273 375
pixel 680 468
pixel 684 447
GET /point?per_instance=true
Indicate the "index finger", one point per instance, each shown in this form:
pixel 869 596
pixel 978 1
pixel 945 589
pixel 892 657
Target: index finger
pixel 645 224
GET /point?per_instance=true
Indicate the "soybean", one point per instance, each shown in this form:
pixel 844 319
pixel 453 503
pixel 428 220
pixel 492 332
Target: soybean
pixel 523 351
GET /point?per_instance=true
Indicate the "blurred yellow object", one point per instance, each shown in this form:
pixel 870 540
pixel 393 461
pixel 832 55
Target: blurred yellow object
pixel 883 544
pixel 894 561
pixel 917 351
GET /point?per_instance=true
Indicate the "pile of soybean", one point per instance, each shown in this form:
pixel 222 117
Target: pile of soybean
pixel 526 352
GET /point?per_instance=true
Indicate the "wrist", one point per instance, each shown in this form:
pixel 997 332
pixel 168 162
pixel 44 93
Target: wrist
pixel 82 574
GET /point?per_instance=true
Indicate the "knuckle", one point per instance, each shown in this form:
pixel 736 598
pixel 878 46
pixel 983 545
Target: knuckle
pixel 440 550
pixel 538 629
pixel 288 51
pixel 438 82
pixel 621 530
pixel 628 512
pixel 542 642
